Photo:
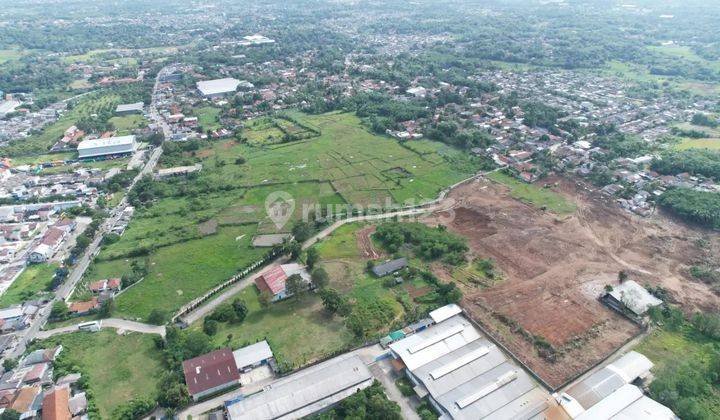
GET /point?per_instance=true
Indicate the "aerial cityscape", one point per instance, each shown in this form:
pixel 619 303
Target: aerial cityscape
pixel 360 209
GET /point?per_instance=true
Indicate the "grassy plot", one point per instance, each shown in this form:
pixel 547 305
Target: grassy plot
pixel 117 368
pixel 33 280
pixel 534 195
pixel 298 330
pixel 183 272
pixel 127 123
pixel 712 141
pixel 208 118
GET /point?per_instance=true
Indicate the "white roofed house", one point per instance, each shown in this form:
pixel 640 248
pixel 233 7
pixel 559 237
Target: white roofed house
pixel 112 146
pixel 631 298
pixel 218 87
pixel 252 356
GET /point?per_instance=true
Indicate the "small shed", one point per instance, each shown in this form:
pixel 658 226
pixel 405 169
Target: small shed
pixel 389 267
pixel 631 296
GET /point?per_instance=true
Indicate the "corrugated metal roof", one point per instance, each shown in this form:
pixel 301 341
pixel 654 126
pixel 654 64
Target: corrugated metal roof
pixel 634 297
pixel 596 387
pixel 296 395
pixel 469 376
pixel 645 408
pixel 441 314
pixel 218 86
pixel 462 333
pixel 252 354
pixel 632 366
pixel 612 404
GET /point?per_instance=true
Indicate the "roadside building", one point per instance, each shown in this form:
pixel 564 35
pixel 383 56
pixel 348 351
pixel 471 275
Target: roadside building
pixel 210 373
pixel 104 285
pixel 252 356
pixel 178 171
pixel 111 146
pixel 389 267
pixel 465 376
pixel 274 281
pixel 126 109
pixel 84 307
pixel 305 392
pixel 269 240
pixel 610 393
pixel 218 87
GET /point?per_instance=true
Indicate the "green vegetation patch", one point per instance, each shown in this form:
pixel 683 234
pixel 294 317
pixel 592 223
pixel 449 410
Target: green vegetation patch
pixel 298 330
pixel 127 123
pixel 117 368
pixel 542 198
pixel 33 280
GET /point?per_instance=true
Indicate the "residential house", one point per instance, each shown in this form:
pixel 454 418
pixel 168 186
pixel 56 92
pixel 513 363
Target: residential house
pixel 210 373
pixel 274 281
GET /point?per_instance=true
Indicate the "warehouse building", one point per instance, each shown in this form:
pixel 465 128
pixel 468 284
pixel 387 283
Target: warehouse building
pixel 466 376
pixel 125 109
pixel 610 394
pixel 112 146
pixel 210 373
pixel 218 87
pixel 252 356
pixel 305 392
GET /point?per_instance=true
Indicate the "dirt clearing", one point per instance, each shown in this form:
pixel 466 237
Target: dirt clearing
pixel 546 309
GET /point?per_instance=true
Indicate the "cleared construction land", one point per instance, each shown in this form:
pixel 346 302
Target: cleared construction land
pixel 554 267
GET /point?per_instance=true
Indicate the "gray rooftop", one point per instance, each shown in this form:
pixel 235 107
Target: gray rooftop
pixel 389 267
pixel 306 391
pixel 467 375
pixel 252 354
pixel 136 107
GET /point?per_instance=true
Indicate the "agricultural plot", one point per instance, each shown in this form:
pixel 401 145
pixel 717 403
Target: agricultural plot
pixel 194 242
pixel 117 368
pixel 712 141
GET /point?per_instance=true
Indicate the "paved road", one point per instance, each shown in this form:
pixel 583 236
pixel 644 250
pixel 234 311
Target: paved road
pixel 382 372
pixel 65 290
pixel 120 324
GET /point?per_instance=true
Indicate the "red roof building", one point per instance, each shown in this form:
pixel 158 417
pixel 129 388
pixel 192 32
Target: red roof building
pixel 81 308
pixel 55 405
pixel 209 373
pixel 273 281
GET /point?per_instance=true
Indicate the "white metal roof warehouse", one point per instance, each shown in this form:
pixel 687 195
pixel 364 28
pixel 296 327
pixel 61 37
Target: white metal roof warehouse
pixel 218 86
pixel 305 392
pixel 467 376
pixel 108 146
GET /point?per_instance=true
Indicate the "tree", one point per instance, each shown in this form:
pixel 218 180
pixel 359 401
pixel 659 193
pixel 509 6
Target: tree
pixel 294 249
pixel 295 285
pixel 9 414
pixel 106 309
pixel 157 317
pixel 332 300
pixel 622 276
pixel 312 257
pixel 302 231
pixel 9 364
pixel 240 309
pixel 320 278
pixel 210 326
pixel 59 310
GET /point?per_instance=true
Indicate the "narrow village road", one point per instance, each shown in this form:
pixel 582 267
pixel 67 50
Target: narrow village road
pixel 119 324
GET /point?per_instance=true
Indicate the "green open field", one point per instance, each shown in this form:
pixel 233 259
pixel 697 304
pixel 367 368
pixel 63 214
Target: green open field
pixel 127 123
pixel 298 330
pixel 38 144
pixel 208 117
pixel 194 242
pixel 534 195
pixel 712 141
pixel 117 368
pixel 33 280
pixel 184 271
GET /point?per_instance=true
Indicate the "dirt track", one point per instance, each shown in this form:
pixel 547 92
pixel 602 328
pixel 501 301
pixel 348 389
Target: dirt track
pixel 555 269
